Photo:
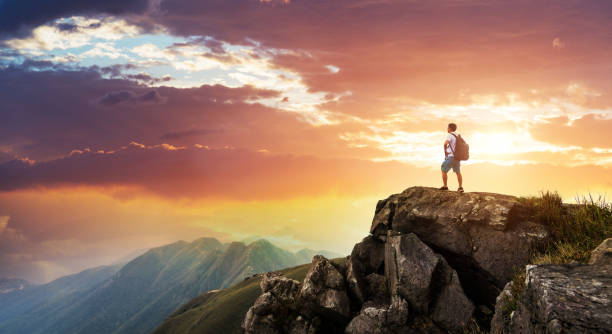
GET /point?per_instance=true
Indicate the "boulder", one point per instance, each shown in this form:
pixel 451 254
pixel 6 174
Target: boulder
pixel 269 313
pixel 370 252
pixel 452 309
pixel 366 258
pixel 602 255
pixel 410 267
pixel 568 298
pixel 425 280
pixel 483 235
pixel 370 320
pixel 324 290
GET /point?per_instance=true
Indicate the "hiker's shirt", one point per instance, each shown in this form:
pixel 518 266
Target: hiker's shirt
pixel 452 144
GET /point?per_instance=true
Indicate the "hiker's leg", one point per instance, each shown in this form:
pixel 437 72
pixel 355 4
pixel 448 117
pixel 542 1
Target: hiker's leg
pixel 444 178
pixel 459 179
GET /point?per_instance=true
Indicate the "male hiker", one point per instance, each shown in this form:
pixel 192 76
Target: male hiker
pixel 450 161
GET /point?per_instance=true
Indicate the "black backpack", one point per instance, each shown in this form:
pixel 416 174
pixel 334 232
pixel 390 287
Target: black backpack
pixel 462 149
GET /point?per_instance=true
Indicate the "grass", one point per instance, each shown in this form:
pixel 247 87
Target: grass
pixel 575 230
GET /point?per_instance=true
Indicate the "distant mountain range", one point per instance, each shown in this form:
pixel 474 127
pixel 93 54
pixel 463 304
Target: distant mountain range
pixel 137 297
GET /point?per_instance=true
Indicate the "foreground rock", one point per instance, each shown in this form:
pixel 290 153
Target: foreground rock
pixel 270 312
pixel 435 263
pixel 483 236
pixel 569 298
pixel 602 255
pixel 318 305
pixel 423 278
pixel 324 290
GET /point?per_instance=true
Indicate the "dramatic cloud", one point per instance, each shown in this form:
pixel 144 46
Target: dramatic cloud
pixel 176 172
pixel 275 105
pixel 23 14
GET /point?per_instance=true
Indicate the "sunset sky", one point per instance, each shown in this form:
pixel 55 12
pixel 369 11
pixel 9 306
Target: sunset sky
pixel 128 124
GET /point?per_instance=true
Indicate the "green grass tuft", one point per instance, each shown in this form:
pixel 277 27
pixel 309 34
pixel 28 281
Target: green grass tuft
pixel 575 229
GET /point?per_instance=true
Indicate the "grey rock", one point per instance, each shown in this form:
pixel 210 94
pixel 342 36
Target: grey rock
pixel 452 310
pixel 569 298
pixel 501 321
pixel 269 312
pixel 324 290
pixel 426 281
pixel 371 253
pixel 409 269
pixel 602 255
pixel 370 320
pixel 482 235
pixel 366 258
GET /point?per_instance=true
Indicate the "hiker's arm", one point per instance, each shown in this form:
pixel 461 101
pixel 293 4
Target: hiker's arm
pixel 446 143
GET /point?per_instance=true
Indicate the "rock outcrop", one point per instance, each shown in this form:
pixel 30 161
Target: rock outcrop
pixel 324 290
pixel 318 305
pixel 271 309
pixel 567 298
pixel 483 236
pixel 435 262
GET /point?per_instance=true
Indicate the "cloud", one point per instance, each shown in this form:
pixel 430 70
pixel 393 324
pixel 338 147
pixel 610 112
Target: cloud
pixel 557 43
pixel 589 131
pixel 199 172
pixel 16 16
pixel 113 98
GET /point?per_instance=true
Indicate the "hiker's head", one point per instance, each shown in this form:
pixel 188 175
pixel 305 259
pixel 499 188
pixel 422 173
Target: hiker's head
pixel 452 127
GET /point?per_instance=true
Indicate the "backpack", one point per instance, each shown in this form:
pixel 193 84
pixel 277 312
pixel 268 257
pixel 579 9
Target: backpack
pixel 462 149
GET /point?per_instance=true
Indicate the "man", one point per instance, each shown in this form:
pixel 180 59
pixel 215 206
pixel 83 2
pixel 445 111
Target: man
pixel 449 161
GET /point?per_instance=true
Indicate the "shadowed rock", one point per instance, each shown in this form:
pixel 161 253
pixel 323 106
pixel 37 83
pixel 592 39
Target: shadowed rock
pixel 366 258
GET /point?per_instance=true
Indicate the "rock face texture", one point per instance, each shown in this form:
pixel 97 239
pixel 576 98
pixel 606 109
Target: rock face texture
pixel 569 298
pixel 435 262
pixel 269 313
pixel 318 305
pixel 324 290
pixel 602 255
pixel 483 236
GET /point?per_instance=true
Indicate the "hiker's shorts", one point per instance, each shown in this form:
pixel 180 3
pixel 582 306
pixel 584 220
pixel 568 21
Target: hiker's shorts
pixel 449 163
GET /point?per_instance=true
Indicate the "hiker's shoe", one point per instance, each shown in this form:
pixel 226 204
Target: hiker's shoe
pixel 460 189
pixel 443 188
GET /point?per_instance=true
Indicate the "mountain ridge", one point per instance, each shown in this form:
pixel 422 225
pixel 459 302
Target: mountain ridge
pixel 137 296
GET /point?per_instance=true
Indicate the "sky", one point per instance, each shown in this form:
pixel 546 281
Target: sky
pixel 130 124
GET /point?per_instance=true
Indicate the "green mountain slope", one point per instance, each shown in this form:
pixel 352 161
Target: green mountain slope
pixel 221 311
pixel 136 298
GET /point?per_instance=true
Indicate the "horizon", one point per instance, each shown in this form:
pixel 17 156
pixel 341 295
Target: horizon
pixel 130 124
